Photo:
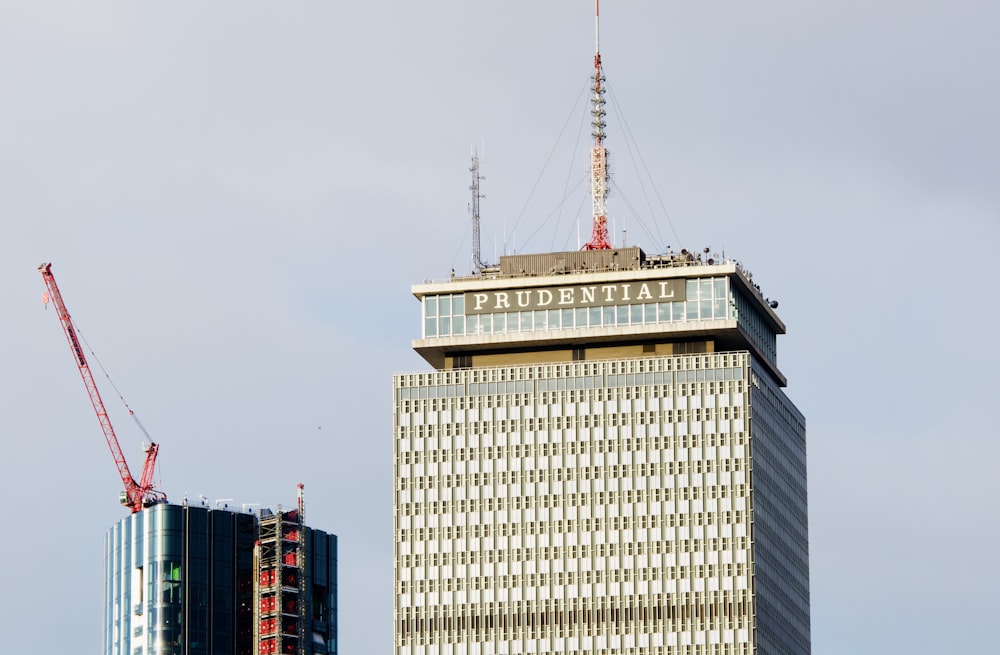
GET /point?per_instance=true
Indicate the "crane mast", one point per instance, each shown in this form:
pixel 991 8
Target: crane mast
pixel 136 495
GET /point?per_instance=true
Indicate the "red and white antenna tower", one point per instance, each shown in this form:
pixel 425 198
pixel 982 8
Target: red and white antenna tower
pixel 599 176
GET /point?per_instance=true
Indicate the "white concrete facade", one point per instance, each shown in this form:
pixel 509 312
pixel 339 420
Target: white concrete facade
pixel 600 507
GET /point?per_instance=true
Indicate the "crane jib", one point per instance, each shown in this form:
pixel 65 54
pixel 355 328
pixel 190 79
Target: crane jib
pixel 136 495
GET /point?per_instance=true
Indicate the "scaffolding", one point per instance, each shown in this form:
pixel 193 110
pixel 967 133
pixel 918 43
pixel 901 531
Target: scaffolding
pixel 279 583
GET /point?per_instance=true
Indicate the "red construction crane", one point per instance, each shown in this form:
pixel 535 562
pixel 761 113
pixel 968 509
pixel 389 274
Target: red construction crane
pixel 136 495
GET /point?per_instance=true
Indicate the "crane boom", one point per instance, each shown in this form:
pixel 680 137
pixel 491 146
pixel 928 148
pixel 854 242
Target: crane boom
pixel 136 494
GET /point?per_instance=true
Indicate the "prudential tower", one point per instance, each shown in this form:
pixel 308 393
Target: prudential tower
pixel 602 460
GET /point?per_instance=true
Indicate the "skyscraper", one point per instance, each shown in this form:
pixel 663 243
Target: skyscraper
pixel 603 460
pixel 190 580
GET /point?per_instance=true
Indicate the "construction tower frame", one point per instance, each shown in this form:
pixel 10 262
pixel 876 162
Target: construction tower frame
pixel 280 583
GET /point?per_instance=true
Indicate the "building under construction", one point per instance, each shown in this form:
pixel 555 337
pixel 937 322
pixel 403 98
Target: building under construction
pixel 193 580
pixel 190 580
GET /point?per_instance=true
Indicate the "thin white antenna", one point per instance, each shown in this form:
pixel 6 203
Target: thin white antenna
pixel 597 24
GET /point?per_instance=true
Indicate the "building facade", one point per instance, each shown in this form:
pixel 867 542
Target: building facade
pixel 190 580
pixel 602 461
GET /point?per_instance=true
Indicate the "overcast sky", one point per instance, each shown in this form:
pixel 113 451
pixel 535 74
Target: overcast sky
pixel 237 196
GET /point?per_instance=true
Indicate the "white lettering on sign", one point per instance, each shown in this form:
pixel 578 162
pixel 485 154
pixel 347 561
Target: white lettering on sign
pixel 482 302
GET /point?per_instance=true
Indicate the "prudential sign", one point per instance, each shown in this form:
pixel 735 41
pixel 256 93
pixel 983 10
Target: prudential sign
pixel 581 295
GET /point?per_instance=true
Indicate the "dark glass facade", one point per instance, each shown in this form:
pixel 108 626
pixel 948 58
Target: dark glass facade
pixel 321 602
pixel 780 523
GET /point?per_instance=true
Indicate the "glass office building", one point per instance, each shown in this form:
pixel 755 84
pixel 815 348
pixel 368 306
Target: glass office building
pixel 190 580
pixel 602 461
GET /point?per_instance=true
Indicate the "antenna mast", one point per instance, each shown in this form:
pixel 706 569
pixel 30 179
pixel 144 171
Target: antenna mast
pixel 477 260
pixel 599 176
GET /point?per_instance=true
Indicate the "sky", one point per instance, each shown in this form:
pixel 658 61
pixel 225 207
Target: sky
pixel 237 196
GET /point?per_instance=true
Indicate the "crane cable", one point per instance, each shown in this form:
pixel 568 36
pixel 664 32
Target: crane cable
pixel 131 412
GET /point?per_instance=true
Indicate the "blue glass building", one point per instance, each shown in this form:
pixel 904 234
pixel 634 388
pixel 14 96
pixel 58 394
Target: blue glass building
pixel 190 580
